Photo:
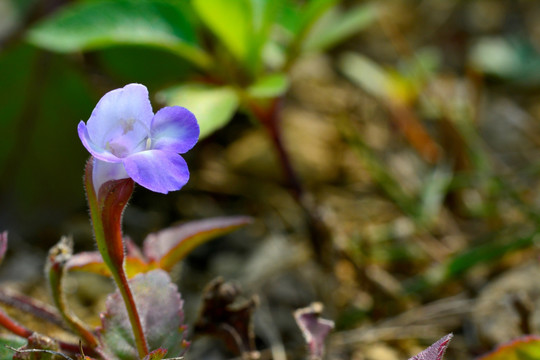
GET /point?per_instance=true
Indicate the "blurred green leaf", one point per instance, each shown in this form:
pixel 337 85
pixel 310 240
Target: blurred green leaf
pixel 13 341
pixel 153 67
pixel 489 251
pixel 213 106
pixel 13 87
pixel 269 86
pixel 231 21
pixel 367 74
pixel 337 25
pixel 311 12
pixel 299 20
pixel 525 348
pixel 514 59
pixel 433 194
pixel 265 13
pixel 100 24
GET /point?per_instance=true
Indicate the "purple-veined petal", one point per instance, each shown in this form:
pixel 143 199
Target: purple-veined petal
pixel 435 351
pixel 92 148
pixel 120 122
pixel 106 171
pixel 157 170
pixel 174 129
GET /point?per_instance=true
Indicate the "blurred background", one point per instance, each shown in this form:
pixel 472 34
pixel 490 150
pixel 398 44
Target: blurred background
pixel 412 128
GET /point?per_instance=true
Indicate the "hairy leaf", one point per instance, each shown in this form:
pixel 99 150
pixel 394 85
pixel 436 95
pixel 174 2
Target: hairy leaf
pixel 160 309
pixel 98 24
pixel 213 106
pixel 171 245
pixel 435 351
pixel 525 348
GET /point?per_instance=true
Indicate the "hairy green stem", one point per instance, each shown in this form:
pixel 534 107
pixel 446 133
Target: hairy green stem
pixel 106 213
pixel 55 269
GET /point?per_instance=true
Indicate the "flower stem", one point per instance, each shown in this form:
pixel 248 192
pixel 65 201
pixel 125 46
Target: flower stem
pixel 122 282
pixel 106 213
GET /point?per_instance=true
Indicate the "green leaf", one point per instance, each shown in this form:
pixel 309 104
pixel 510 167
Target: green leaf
pixel 100 24
pixel 213 106
pixel 433 194
pixel 312 11
pixel 265 13
pixel 160 310
pixel 269 86
pixel 167 247
pixel 367 74
pixel 337 25
pixel 492 249
pixel 12 341
pixel 231 21
pixel 525 348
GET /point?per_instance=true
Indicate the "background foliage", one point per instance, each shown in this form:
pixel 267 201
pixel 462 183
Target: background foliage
pixel 413 127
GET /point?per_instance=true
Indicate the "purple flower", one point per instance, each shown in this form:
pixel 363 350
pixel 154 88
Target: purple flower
pixel 126 140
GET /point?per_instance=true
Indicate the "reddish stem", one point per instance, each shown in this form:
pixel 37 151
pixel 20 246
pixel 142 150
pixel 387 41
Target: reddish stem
pixel 24 332
pixel 32 306
pixel 13 326
pixel 269 116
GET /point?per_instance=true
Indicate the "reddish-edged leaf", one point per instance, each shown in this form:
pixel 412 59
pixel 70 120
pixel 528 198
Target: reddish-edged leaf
pixel 435 351
pixel 3 245
pixel 90 261
pixel 160 310
pixel 93 262
pixel 314 328
pixel 527 347
pixel 169 246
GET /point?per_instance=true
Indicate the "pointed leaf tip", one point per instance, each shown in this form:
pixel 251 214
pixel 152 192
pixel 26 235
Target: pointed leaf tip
pixel 435 351
pixel 169 246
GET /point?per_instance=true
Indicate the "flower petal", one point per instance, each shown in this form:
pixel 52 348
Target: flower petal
pixel 121 120
pixel 92 148
pixel 106 171
pixel 174 129
pixel 157 170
